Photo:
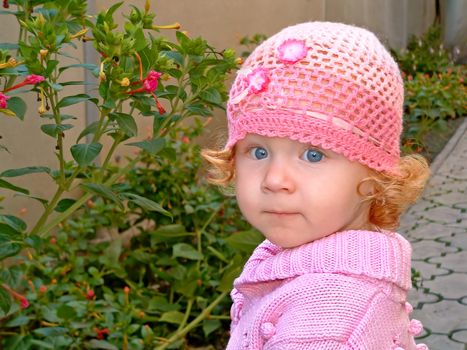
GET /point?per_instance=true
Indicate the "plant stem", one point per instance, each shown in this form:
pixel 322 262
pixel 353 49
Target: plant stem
pixel 203 315
pixel 109 155
pixel 97 135
pixel 82 200
pixel 187 314
pixel 50 207
pixel 53 97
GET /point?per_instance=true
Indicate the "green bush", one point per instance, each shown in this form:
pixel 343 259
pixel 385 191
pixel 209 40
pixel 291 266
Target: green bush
pixel 435 90
pixel 145 255
pixel 129 278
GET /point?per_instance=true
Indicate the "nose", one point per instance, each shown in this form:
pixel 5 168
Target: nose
pixel 278 177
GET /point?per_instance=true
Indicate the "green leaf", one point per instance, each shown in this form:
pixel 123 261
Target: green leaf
pixel 84 154
pixel 168 233
pixel 71 100
pixel 113 251
pixel 7 185
pixel 8 46
pixel 18 106
pixel 126 122
pixel 66 312
pixel 64 204
pixel 42 344
pixel 226 282
pixel 211 95
pixel 146 203
pixel 140 40
pixel 88 66
pixel 152 146
pixel 10 243
pixel 182 39
pixel 210 326
pixel 184 250
pixel 43 201
pixel 90 129
pixel 12 276
pixel 55 129
pixel 5 301
pixel 198 108
pixel 24 171
pixel 100 344
pixel 245 241
pixel 104 191
pixel 50 331
pixel 14 222
pixel 175 317
pixel 18 321
pixel 177 57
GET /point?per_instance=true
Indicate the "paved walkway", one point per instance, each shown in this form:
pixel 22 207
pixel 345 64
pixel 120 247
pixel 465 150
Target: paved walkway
pixel 437 229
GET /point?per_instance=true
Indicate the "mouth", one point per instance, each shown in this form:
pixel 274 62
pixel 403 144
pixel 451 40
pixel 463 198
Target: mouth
pixel 280 213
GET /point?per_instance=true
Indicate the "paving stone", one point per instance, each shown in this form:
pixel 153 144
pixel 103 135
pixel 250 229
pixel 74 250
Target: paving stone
pixel 436 226
pixel 428 249
pixel 440 342
pixel 460 336
pixel 444 215
pixel 455 262
pixel 448 198
pixel 438 317
pixel 451 286
pixel 429 271
pixel 418 298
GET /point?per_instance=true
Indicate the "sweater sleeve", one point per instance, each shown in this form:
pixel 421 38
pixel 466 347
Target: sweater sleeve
pixel 333 312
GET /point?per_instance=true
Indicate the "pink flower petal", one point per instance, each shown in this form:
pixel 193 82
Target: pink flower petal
pixel 151 81
pixel 34 79
pixel 258 80
pixel 292 50
pixel 3 100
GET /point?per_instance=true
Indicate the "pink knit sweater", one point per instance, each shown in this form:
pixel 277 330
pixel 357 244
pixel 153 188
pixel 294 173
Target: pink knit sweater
pixel 344 291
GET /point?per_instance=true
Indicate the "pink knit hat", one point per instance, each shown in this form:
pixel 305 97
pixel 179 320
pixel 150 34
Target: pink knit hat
pixel 328 84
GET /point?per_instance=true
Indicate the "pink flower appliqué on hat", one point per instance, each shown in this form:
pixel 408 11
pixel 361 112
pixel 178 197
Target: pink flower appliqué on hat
pixel 292 50
pixel 258 80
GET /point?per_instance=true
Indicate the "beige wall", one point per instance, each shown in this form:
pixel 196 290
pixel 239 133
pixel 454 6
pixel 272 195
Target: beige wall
pixel 222 23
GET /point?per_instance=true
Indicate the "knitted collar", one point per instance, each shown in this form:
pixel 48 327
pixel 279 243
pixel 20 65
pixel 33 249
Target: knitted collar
pixel 381 255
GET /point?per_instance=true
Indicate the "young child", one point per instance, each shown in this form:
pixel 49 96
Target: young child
pixel 314 120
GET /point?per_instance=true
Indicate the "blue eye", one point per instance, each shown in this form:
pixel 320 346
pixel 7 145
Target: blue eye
pixel 258 153
pixel 313 155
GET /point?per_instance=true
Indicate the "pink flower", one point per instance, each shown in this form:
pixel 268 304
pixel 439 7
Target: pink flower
pixel 24 302
pixel 151 81
pixel 34 79
pixel 19 297
pixel 292 50
pixel 258 80
pixel 422 346
pixel 3 100
pixel 90 294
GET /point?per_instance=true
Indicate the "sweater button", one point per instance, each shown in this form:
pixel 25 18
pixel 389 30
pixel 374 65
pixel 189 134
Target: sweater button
pixel 408 308
pixel 268 330
pixel 415 327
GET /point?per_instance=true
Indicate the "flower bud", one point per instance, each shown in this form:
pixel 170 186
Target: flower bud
pixel 90 294
pixel 125 82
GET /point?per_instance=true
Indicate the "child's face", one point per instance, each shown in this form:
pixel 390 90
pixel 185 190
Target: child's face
pixel 295 193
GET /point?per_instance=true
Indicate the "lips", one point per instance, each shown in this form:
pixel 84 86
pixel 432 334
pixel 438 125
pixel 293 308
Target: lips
pixel 280 212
